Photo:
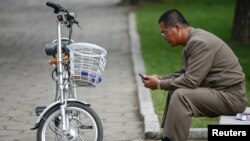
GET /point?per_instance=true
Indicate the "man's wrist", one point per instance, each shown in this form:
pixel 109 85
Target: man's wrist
pixel 159 84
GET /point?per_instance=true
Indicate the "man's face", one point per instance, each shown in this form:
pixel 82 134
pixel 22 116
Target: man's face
pixel 169 34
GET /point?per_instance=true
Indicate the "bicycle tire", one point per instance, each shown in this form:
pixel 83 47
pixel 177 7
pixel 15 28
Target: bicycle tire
pixel 52 118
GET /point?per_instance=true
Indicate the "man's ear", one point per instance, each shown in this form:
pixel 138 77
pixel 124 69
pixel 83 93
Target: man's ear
pixel 177 26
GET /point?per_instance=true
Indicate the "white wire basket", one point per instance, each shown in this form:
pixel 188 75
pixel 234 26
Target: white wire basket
pixel 87 63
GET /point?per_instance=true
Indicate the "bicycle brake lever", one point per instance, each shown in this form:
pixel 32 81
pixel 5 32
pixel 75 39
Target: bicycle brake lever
pixel 78 25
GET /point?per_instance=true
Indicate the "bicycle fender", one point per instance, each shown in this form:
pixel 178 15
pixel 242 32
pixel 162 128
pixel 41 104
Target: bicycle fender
pixel 51 106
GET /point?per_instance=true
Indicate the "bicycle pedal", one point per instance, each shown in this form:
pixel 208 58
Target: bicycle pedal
pixel 39 110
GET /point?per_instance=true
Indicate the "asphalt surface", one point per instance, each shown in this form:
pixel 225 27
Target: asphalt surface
pixel 25 27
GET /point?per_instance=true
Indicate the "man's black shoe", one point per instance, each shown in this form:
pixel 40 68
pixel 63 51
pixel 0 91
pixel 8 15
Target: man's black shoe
pixel 165 139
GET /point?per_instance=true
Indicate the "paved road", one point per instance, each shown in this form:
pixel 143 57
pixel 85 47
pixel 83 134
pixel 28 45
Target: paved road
pixel 25 74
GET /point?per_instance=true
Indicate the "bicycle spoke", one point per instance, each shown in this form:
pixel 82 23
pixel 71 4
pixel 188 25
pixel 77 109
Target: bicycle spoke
pixel 81 138
pixel 56 130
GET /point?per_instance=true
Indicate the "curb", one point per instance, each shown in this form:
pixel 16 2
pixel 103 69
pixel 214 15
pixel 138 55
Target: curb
pixel 151 123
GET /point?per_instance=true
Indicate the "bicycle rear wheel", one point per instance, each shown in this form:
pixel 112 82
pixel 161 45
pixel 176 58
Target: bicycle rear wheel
pixel 84 124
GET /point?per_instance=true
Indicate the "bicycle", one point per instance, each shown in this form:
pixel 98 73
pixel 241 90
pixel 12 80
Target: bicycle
pixel 76 65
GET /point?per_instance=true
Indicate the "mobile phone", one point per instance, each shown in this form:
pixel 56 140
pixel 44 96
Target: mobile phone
pixel 142 76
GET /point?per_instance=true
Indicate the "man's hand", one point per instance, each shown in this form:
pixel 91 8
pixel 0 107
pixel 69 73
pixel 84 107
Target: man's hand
pixel 153 82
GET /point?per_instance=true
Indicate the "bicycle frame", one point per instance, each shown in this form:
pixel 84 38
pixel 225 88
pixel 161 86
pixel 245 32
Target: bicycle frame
pixel 63 99
pixel 60 86
pixel 68 118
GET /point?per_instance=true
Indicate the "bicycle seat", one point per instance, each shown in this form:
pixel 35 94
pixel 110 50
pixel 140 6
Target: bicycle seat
pixel 51 48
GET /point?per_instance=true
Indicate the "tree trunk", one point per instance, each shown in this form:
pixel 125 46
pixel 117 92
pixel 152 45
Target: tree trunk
pixel 134 2
pixel 129 2
pixel 241 25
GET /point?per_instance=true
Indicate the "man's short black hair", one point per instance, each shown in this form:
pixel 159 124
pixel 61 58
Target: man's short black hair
pixel 171 17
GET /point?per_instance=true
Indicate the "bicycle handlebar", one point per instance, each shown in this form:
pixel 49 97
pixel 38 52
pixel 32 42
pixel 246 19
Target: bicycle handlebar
pixel 68 18
pixel 57 7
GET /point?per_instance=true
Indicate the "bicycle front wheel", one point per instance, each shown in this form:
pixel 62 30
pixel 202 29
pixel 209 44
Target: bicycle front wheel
pixel 83 124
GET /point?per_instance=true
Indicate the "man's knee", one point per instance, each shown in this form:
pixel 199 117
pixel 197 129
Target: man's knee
pixel 179 96
pixel 178 93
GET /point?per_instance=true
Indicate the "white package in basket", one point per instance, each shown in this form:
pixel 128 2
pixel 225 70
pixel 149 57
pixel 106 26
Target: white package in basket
pixel 87 63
